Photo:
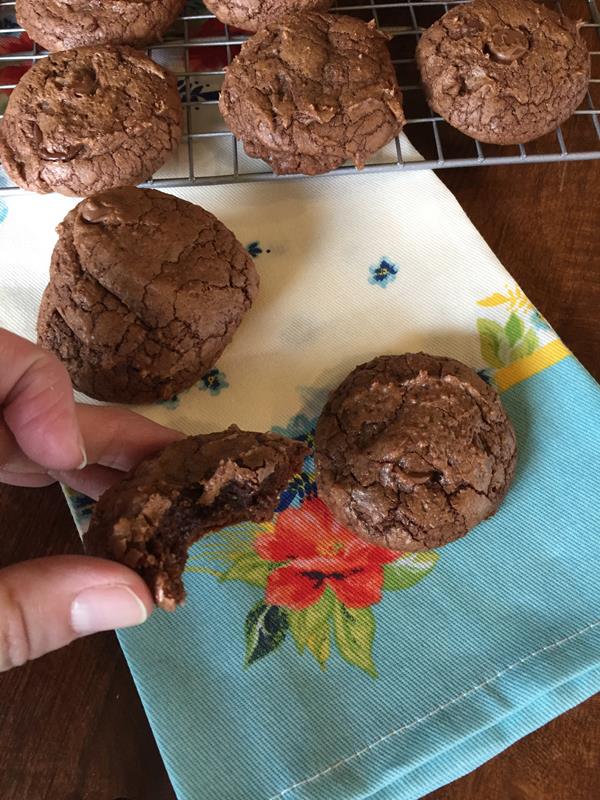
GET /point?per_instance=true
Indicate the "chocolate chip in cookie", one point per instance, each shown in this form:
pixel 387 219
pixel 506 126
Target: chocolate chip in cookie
pixel 60 25
pixel 146 290
pixel 412 451
pixel 200 484
pixel 504 71
pixel 310 92
pixel 250 15
pixel 85 120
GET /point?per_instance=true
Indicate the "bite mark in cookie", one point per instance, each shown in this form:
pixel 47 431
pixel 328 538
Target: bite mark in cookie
pixel 203 483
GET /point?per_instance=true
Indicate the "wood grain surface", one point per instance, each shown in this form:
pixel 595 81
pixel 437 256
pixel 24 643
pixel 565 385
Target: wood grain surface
pixel 71 724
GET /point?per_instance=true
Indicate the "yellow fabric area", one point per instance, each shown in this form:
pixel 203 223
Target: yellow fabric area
pixel 546 356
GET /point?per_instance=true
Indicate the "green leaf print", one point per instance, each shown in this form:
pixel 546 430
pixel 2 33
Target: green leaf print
pixel 490 347
pixel 531 341
pixel 491 335
pixel 310 628
pixel 490 328
pixel 248 567
pixel 265 628
pixel 407 571
pixel 354 629
pixel 318 644
pixel 526 347
pixel 513 329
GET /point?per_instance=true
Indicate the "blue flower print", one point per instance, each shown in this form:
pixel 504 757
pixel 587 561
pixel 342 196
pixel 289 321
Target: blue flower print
pixel 300 427
pixel 300 488
pixel 172 402
pixel 255 249
pixel 385 272
pixel 3 210
pixel 213 382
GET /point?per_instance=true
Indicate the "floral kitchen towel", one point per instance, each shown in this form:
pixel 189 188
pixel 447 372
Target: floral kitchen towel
pixel 307 664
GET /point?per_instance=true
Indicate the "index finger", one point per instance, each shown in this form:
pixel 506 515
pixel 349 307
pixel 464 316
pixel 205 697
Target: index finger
pixel 119 438
pixel 37 403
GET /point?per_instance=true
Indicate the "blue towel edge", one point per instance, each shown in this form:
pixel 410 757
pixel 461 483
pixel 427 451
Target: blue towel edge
pixel 484 745
pixel 556 677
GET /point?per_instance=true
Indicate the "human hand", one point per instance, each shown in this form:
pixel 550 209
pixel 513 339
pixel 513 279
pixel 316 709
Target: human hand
pixel 44 437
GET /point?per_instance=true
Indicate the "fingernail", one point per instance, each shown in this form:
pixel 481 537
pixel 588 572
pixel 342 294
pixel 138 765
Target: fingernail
pixel 104 608
pixel 84 459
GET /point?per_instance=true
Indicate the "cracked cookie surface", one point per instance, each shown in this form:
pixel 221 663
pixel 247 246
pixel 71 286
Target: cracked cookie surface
pixel 63 24
pixel 85 120
pixel 146 291
pixel 504 71
pixel 250 15
pixel 191 487
pixel 309 93
pixel 412 451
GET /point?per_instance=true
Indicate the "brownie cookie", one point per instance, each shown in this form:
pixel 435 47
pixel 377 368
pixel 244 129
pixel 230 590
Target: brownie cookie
pixel 250 15
pixel 194 486
pixel 412 451
pixel 60 25
pixel 308 93
pixel 85 120
pixel 145 292
pixel 504 71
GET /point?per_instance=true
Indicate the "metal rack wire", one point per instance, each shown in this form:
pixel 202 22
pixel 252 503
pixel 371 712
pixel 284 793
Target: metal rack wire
pixel 198 48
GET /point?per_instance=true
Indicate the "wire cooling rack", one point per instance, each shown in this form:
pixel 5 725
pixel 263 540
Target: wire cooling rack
pixel 199 47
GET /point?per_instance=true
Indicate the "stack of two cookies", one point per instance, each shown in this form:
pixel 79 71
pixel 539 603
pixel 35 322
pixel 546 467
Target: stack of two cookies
pixel 146 290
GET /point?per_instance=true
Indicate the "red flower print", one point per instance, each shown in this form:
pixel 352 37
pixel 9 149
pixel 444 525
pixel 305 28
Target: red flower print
pixel 319 552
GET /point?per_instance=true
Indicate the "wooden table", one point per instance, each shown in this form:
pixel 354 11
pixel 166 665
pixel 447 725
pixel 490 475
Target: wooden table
pixel 71 724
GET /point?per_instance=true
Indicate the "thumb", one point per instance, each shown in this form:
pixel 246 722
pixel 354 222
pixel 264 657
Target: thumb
pixel 48 602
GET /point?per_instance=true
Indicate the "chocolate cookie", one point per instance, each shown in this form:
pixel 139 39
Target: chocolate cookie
pixel 85 120
pixel 194 486
pixel 504 71
pixel 413 451
pixel 146 290
pixel 250 15
pixel 308 93
pixel 60 25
